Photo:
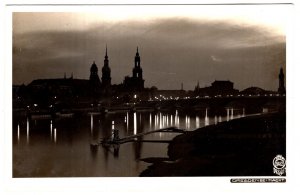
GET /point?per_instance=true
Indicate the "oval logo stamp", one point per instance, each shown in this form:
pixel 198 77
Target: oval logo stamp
pixel 279 165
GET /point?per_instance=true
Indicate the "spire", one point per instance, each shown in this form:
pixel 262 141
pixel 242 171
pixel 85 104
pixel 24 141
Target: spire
pixel 106 57
pixel 137 59
pixel 281 88
pixel 197 86
pixel 106 79
pixel 281 73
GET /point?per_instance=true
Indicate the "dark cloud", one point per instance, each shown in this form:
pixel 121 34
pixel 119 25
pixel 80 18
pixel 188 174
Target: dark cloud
pixel 172 51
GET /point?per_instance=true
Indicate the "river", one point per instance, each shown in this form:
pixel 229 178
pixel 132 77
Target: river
pixel 61 147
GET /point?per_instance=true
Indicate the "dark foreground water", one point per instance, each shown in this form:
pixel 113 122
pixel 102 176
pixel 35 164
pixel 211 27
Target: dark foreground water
pixel 61 147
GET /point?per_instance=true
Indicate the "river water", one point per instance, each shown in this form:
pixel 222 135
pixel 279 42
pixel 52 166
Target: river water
pixel 61 147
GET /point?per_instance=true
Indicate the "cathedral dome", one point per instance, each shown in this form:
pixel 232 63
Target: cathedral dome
pixel 94 67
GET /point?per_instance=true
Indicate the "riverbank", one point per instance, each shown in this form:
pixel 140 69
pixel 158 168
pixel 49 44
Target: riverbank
pixel 241 147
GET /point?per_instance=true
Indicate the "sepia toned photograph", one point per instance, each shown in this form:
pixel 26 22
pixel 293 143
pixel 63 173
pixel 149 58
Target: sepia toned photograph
pixel 150 91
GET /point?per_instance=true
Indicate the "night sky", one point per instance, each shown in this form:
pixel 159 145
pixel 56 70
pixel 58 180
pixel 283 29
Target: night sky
pixel 177 44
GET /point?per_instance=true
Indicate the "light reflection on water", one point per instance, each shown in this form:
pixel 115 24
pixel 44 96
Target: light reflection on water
pixel 135 123
pixel 68 151
pixel 51 127
pixel 127 121
pixel 27 130
pixel 18 133
pixel 206 119
pixel 55 135
pixel 92 123
pixel 197 122
pixel 150 121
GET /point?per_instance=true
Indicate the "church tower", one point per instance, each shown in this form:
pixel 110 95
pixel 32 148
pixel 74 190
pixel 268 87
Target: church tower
pixel 106 79
pixel 136 82
pixel 137 70
pixel 281 88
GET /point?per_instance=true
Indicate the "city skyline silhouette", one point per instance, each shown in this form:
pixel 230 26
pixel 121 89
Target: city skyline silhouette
pixel 171 48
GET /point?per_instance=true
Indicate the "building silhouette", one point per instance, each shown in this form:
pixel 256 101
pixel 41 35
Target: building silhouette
pixel 50 91
pixel 92 88
pixel 94 82
pixel 254 91
pixel 136 82
pixel 217 88
pixel 94 78
pixel 281 88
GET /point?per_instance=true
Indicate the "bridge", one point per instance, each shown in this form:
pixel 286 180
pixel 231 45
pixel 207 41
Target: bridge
pixel 216 105
pixel 252 104
pixel 115 140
